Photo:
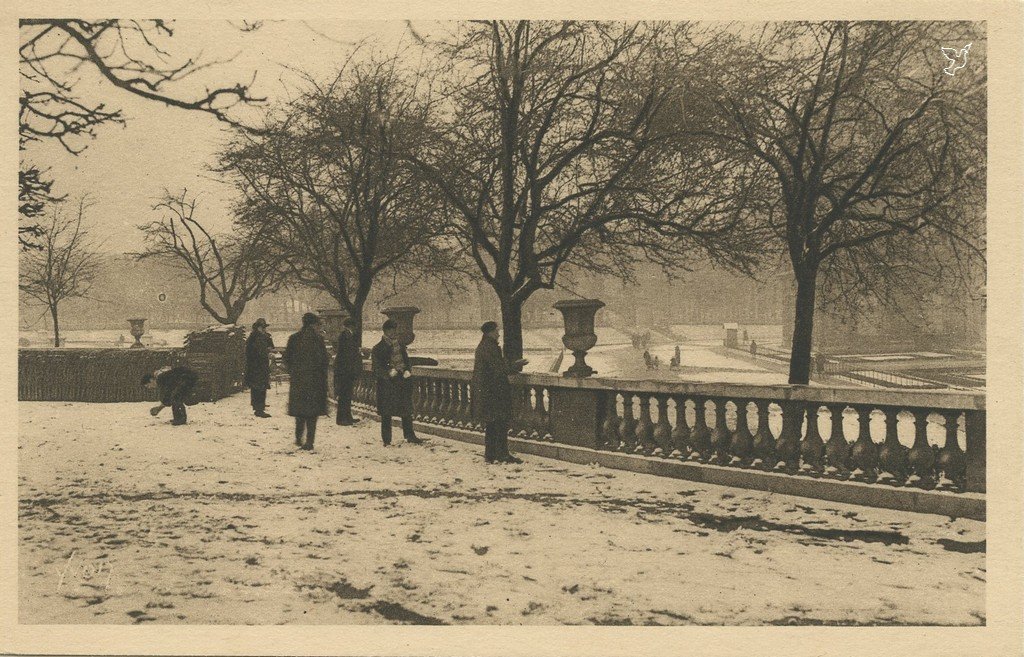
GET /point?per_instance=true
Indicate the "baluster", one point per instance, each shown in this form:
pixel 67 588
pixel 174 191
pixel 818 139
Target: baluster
pixel 444 408
pixel 787 447
pixel 435 402
pixel 458 414
pixel 545 433
pixel 864 453
pixel 644 427
pixel 627 428
pixel 610 429
pixel 535 429
pixel 526 415
pixel 662 429
pixel 720 436
pixel 764 442
pixel 681 432
pixel 892 456
pixel 952 462
pixel 742 443
pixel 700 437
pixel 921 458
pixel 812 448
pixel 837 451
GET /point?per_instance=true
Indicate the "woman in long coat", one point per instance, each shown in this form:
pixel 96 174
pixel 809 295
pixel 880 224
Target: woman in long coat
pixel 307 361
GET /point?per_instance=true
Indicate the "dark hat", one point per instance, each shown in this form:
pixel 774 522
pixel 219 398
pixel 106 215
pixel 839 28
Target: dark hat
pixel 260 322
pixel 488 327
pixel 309 319
pixel 390 324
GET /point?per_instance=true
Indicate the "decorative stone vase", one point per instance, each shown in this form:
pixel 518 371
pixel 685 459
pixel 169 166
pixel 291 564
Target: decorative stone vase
pixel 137 331
pixel 578 316
pixel 403 316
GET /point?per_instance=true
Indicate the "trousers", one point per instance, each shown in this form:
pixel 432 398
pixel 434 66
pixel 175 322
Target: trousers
pixel 179 414
pixel 385 429
pixel 496 440
pixel 258 397
pixel 343 389
pixel 305 425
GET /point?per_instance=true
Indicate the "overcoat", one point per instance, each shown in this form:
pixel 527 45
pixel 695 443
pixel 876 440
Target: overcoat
pixel 175 386
pixel 257 360
pixel 307 361
pixel 491 399
pixel 349 361
pixel 394 394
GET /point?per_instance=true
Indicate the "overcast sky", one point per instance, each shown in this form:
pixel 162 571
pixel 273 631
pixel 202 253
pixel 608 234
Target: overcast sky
pixel 124 170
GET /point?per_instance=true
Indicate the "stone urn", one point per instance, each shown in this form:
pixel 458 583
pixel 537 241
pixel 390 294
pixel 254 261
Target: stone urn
pixel 138 330
pixel 403 316
pixel 578 315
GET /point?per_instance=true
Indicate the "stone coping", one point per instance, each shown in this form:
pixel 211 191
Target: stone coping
pixel 924 399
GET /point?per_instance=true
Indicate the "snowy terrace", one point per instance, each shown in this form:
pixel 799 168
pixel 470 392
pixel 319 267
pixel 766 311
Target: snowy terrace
pixel 224 521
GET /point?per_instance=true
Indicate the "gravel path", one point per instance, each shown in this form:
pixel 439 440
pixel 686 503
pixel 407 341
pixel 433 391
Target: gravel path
pixel 126 519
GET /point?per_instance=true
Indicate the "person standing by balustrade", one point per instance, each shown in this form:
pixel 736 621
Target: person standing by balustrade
pixel 348 365
pixel 390 365
pixel 491 401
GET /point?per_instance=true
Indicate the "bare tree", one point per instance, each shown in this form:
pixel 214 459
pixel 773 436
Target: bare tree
pixel 555 153
pixel 231 270
pixel 133 55
pixel 63 267
pixel 873 157
pixel 34 198
pixel 325 182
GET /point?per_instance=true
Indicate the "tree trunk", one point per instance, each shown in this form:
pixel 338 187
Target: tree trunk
pixel 512 328
pixel 356 314
pixel 803 330
pixel 56 326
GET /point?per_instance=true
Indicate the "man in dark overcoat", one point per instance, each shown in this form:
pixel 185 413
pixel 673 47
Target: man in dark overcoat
pixel 257 366
pixel 491 400
pixel 307 361
pixel 174 388
pixel 348 365
pixel 390 364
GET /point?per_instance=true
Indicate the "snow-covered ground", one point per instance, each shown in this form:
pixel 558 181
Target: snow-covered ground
pixel 126 519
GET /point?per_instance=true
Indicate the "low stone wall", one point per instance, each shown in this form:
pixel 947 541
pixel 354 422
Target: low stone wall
pixel 90 375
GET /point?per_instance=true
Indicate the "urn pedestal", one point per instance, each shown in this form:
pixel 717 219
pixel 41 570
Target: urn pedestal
pixel 137 330
pixel 578 316
pixel 403 316
pixel 332 320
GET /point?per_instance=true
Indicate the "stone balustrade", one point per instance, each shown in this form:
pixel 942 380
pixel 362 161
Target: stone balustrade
pixel 917 439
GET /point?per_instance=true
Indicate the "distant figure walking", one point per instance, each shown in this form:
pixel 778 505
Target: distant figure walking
pixel 390 364
pixel 677 359
pixel 819 362
pixel 348 364
pixel 257 366
pixel 174 387
pixel 307 362
pixel 753 348
pixel 647 360
pixel 491 401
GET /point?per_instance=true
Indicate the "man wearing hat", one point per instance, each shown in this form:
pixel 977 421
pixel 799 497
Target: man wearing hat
pixel 307 361
pixel 491 400
pixel 390 364
pixel 348 364
pixel 257 366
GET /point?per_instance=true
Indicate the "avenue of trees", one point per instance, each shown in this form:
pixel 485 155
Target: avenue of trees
pixel 517 152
